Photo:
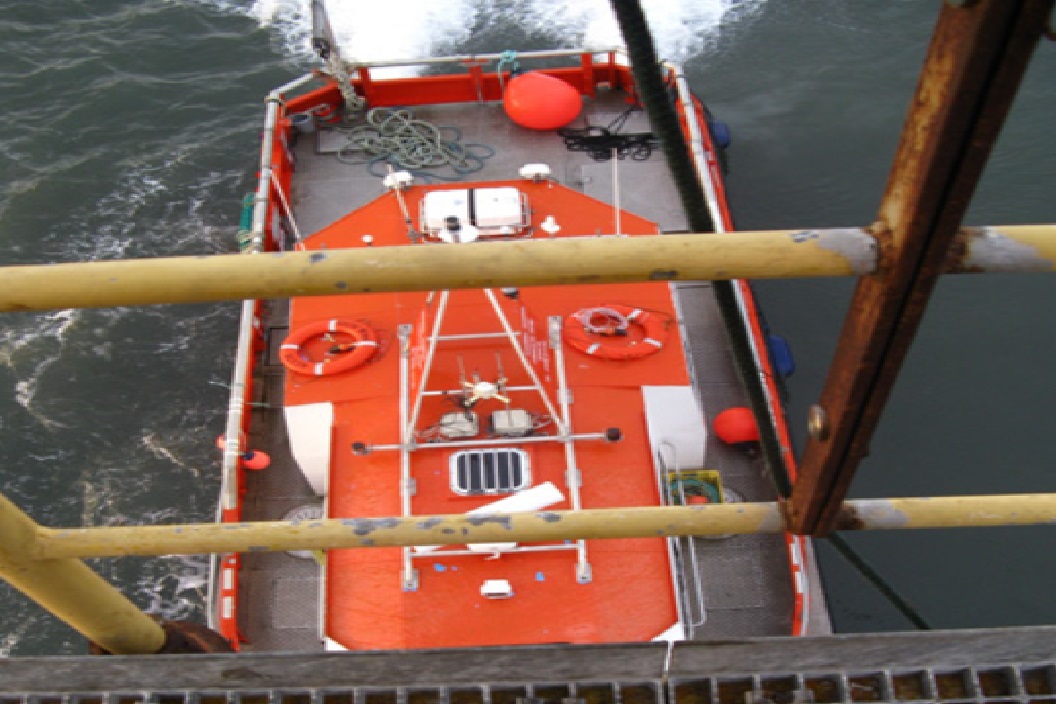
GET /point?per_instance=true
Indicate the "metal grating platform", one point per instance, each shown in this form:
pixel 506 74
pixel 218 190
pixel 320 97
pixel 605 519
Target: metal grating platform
pixel 998 666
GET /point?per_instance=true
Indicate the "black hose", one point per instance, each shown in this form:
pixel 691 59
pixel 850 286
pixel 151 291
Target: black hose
pixel 655 100
pixel 876 579
pixel 657 104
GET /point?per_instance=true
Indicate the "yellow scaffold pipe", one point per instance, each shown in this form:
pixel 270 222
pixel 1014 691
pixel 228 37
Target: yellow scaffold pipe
pixel 713 519
pixel 71 591
pixel 748 255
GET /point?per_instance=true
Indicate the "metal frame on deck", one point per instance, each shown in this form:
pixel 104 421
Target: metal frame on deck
pixel 409 422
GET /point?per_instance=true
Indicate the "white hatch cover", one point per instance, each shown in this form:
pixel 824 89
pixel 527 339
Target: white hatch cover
pixel 310 429
pixel 676 424
pixel 473 212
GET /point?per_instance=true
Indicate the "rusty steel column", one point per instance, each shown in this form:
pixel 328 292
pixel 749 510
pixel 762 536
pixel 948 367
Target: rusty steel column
pixel 977 57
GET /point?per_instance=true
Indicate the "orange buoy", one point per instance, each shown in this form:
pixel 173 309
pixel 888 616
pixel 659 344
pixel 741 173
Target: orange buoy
pixel 736 425
pixel 256 460
pixel 541 102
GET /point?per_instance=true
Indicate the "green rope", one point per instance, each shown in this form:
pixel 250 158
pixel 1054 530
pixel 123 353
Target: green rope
pixel 397 137
pixel 244 236
pixel 507 58
pixel 690 486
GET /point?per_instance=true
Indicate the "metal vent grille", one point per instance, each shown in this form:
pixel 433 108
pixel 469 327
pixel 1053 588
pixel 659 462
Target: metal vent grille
pixel 490 471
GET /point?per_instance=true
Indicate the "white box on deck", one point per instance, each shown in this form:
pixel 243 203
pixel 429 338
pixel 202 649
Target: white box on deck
pixel 489 209
pixel 677 430
pixel 310 431
pixel 496 207
pixel 513 422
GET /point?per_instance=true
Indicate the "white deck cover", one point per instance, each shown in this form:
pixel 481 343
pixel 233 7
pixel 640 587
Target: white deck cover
pixel 310 429
pixel 675 420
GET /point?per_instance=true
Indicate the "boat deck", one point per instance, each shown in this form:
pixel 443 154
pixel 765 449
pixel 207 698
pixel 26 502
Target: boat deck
pixel 745 579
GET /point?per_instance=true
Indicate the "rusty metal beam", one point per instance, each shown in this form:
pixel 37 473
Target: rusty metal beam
pixel 977 57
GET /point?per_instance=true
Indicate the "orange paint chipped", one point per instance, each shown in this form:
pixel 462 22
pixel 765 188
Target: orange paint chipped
pixel 630 595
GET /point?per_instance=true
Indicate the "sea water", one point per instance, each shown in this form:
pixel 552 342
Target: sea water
pixel 130 129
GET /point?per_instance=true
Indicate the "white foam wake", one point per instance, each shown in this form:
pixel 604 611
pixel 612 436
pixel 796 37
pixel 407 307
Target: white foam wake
pixel 373 31
pixel 35 345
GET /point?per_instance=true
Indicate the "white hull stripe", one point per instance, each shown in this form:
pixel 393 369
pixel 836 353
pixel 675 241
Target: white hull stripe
pixel 654 343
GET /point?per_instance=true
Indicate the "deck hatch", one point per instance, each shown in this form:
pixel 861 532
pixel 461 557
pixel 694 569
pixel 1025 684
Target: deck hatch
pixel 492 471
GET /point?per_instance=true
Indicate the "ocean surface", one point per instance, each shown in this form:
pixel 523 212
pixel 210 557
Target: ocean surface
pixel 131 128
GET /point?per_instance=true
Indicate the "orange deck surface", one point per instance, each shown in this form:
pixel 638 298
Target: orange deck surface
pixel 631 596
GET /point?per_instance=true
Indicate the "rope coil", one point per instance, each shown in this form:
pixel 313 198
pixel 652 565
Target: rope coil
pixel 602 320
pixel 397 137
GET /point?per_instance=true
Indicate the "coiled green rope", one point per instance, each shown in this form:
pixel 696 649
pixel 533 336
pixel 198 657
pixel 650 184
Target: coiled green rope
pixel 397 137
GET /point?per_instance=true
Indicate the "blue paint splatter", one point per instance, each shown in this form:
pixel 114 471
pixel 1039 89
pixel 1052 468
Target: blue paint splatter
pixel 439 568
pixel 540 577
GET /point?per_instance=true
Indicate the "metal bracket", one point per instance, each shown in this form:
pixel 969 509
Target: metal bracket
pixel 584 574
pixel 409 580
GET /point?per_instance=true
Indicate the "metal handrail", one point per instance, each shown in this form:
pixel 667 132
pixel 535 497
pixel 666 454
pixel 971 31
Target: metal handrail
pixel 483 58
pixel 240 381
pixel 683 545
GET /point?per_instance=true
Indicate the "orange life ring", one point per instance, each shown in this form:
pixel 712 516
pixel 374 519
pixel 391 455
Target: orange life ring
pixel 359 348
pixel 594 331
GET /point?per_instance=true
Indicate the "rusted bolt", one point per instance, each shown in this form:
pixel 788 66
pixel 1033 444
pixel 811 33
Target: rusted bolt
pixel 818 423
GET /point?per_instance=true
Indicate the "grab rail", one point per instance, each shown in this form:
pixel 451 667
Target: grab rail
pixel 241 381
